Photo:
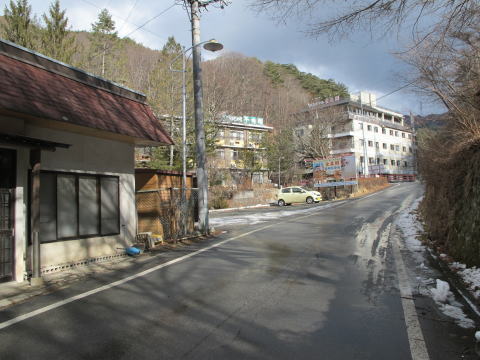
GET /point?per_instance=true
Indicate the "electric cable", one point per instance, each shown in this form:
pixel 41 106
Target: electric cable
pixel 128 16
pixel 121 18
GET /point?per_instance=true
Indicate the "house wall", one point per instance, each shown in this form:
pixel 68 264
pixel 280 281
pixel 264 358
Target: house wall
pixel 87 154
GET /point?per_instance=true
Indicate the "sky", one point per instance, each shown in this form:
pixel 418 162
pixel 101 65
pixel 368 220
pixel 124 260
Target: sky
pixel 362 62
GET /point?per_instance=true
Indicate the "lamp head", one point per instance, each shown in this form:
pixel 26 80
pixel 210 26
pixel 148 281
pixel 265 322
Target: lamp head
pixel 213 45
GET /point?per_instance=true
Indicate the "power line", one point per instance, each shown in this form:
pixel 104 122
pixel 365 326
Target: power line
pixel 394 91
pixel 128 16
pixel 139 27
pixel 121 18
pixel 153 18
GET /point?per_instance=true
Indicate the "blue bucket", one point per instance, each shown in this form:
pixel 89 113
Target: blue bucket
pixel 132 251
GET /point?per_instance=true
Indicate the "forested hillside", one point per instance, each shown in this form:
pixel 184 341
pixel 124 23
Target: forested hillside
pixel 233 83
pixel 247 85
pixel 318 88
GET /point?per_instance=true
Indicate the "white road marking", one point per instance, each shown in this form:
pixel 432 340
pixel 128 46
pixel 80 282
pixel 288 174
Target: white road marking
pixel 60 303
pixel 418 348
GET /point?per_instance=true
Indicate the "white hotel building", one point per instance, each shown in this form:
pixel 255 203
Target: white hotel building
pixel 379 138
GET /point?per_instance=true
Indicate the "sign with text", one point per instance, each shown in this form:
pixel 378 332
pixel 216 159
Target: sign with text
pixel 336 183
pixel 334 169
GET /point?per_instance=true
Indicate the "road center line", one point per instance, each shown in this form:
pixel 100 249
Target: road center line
pixel 60 303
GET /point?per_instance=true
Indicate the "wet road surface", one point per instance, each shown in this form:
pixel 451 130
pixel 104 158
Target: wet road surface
pixel 319 284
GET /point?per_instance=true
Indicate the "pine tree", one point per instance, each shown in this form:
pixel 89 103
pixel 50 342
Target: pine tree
pixel 166 97
pixel 18 26
pixel 56 40
pixel 104 42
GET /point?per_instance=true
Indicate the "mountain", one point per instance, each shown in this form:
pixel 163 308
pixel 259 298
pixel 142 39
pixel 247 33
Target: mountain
pixel 431 121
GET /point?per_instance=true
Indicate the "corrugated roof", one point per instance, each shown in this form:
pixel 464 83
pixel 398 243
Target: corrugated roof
pixel 41 87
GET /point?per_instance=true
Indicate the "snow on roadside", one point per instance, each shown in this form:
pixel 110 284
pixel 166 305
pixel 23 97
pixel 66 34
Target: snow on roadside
pixel 457 313
pixel 441 292
pixel 407 221
pixel 239 208
pixel 258 218
pixel 411 228
pixel 470 276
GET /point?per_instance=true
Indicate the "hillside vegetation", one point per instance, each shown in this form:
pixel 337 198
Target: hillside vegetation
pixel 449 145
pixel 233 83
pixel 318 88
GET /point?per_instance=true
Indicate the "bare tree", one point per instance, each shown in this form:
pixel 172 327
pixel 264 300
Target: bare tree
pixel 367 14
pixel 237 85
pixel 451 74
pixel 313 136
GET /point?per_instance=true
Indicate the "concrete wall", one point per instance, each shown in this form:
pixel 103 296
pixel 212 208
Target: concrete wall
pixel 87 154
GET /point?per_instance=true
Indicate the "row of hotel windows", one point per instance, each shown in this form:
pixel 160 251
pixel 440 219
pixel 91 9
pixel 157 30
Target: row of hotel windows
pixel 239 135
pixel 378 161
pixel 385 146
pixel 377 115
pixel 235 155
pixel 384 131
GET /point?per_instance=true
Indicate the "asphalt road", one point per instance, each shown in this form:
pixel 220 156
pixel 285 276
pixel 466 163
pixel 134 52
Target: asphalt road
pixel 318 284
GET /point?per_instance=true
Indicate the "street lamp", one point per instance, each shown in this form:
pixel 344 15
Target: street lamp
pixel 210 45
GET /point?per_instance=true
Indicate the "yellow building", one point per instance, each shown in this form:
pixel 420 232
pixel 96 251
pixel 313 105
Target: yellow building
pixel 239 147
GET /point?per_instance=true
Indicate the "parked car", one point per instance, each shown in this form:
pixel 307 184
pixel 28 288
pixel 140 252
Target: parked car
pixel 295 194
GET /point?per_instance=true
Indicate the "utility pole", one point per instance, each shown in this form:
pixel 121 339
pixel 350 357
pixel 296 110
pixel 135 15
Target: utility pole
pixel 202 176
pixel 211 45
pixel 365 153
pixel 414 144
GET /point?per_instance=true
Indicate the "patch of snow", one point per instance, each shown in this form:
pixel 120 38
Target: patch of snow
pixel 441 292
pixel 240 208
pixel 457 313
pixel 477 336
pixel 457 266
pixel 258 218
pixel 449 306
pixel 471 277
pixel 411 227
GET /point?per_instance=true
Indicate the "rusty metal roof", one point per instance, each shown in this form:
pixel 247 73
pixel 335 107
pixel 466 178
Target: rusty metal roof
pixel 35 85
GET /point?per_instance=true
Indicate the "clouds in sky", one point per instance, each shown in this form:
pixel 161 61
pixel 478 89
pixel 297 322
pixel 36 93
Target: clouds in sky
pixel 361 63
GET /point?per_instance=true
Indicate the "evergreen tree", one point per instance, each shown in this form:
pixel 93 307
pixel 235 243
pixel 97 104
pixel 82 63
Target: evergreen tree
pixel 280 152
pixel 319 88
pixel 104 42
pixel 18 26
pixel 165 95
pixel 56 40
